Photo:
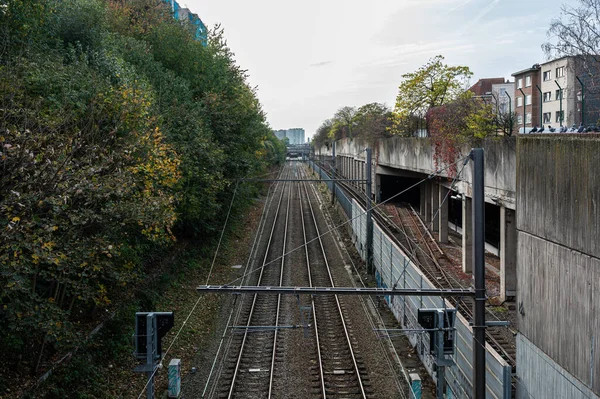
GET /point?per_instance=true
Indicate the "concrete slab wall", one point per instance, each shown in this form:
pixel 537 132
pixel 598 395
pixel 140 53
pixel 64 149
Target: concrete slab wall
pixel 559 190
pixel 542 377
pixel 558 254
pixel 416 155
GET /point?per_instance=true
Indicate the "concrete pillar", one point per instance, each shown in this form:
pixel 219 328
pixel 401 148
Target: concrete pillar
pixel 435 203
pixel 467 235
pixel 377 188
pixel 422 200
pixel 443 215
pixel 428 191
pixel 508 253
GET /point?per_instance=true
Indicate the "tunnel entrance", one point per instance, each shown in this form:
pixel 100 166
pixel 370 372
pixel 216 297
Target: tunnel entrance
pixel 392 185
pixel 492 219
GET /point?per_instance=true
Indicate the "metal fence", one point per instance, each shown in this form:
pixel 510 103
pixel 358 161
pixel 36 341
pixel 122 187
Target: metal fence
pixel 394 268
pixel 342 198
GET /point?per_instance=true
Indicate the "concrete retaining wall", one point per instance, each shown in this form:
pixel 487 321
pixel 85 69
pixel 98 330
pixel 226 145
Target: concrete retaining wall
pixel 558 256
pixel 416 155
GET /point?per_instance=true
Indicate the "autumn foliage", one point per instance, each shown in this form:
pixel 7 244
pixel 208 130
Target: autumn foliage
pixel 119 135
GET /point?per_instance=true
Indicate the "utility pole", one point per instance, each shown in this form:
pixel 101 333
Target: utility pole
pixel 441 366
pixel 151 336
pixel 479 325
pixel 369 213
pixel 334 174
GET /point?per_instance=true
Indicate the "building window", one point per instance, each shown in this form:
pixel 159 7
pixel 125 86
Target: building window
pixel 558 94
pixel 502 91
pixel 559 116
pixel 519 83
pixel 520 119
pixel 560 72
pixel 528 99
pixel 547 117
pixel 547 76
pixel 528 118
pixel 547 96
pixel 528 81
pixel 519 101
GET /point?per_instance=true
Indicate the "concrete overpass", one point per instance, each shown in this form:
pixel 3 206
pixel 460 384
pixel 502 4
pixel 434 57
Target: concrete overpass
pixel 542 195
pixel 298 150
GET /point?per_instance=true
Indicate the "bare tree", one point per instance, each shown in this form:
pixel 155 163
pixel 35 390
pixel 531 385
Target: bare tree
pixel 577 34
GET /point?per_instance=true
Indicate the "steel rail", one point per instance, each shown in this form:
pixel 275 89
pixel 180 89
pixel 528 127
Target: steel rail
pixel 312 302
pixel 339 308
pixel 283 251
pixel 253 253
pixel 464 309
pixel 254 299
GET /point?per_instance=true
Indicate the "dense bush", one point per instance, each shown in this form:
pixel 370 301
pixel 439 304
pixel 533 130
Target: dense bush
pixel 119 134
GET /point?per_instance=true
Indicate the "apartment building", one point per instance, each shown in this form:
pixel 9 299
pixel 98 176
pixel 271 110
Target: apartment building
pixel 559 93
pixel 527 98
pixel 294 135
pixel 504 97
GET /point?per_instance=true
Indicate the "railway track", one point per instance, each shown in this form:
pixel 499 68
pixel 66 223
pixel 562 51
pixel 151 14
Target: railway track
pixel 411 236
pixel 249 371
pixel 339 371
pixel 257 349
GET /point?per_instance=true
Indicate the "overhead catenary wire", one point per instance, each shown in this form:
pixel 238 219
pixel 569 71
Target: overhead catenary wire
pixel 200 296
pixel 431 176
pixel 233 308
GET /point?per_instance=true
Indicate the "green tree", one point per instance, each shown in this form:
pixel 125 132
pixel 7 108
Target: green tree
pixel 343 123
pixel 373 122
pixel 432 85
pixel 321 136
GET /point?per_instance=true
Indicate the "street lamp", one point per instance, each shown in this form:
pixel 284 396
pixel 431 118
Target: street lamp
pixel 524 108
pixel 561 98
pixel 510 121
pixel 582 99
pixel 489 93
pixel 541 105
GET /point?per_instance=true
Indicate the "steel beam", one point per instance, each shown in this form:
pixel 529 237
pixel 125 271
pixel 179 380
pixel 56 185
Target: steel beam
pixel 479 324
pixel 300 180
pixel 263 289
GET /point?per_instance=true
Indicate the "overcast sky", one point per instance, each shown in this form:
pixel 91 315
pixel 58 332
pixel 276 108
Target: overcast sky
pixel 310 57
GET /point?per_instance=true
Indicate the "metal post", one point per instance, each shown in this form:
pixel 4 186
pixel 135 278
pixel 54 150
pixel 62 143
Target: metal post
pixel 477 155
pixel 582 100
pixel 334 174
pixel 369 213
pixel 441 369
pixel 524 109
pixel 150 348
pixel 320 163
pixel 561 98
pixel 541 105
pixel 509 111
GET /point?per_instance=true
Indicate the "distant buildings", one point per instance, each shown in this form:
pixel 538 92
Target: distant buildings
pixel 484 86
pixel 527 98
pixel 504 96
pixel 553 95
pixel 186 16
pixel 294 135
pixel 497 91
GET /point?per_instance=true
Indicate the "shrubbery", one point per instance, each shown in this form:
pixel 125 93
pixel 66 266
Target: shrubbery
pixel 119 134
